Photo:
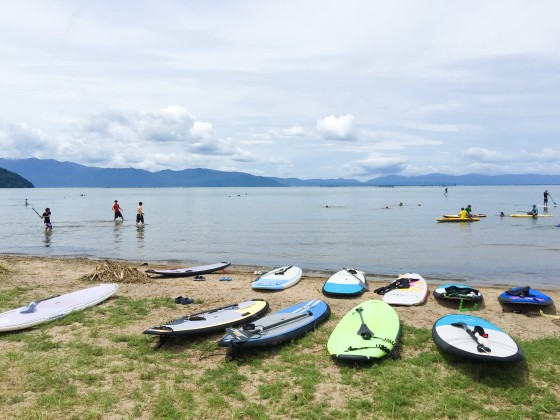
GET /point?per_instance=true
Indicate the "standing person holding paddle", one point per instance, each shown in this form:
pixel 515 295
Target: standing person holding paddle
pixel 545 198
pixel 47 219
pixel 117 209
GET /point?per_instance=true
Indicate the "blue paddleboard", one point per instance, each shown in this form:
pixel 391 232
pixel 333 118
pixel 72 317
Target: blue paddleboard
pixel 475 338
pixel 524 295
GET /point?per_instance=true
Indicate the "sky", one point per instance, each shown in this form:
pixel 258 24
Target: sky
pixel 305 89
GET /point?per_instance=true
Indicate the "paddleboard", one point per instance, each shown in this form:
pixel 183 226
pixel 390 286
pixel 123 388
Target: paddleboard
pixel 456 215
pixel 279 327
pixel 530 215
pixel 457 292
pixel 278 279
pixel 213 320
pixel 369 331
pixel 408 289
pixel 346 282
pixel 457 219
pixel 190 271
pixel 51 308
pixel 475 338
pixel 524 295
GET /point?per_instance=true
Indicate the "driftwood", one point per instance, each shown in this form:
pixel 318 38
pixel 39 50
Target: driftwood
pixel 115 272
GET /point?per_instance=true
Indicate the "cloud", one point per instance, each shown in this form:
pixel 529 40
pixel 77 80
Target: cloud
pixel 202 130
pixel 377 164
pixel 16 140
pixel 335 128
pixel 479 154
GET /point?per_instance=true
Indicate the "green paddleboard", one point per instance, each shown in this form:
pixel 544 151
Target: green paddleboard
pixel 368 332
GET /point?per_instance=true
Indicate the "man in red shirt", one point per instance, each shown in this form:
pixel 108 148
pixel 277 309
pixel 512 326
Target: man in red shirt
pixel 117 209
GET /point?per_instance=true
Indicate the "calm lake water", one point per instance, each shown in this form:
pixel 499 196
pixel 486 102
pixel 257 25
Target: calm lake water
pixel 273 227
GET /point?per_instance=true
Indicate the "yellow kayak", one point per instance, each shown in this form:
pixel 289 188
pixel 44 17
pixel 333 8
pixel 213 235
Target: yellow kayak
pixel 530 215
pixel 456 215
pixel 457 219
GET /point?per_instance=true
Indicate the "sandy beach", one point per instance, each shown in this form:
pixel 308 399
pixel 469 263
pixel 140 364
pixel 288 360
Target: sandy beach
pixel 47 276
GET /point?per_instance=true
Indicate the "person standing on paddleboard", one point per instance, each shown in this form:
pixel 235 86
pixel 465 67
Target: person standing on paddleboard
pixel 139 214
pixel 47 219
pixel 117 209
pixel 545 198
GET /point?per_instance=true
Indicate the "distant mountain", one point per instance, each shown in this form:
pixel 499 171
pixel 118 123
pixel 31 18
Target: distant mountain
pixel 469 179
pixel 10 179
pixel 52 173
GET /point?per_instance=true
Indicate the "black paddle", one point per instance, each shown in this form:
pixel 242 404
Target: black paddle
pixel 480 346
pixel 282 271
pixel 353 273
pixel 37 213
pixel 242 335
pixel 364 331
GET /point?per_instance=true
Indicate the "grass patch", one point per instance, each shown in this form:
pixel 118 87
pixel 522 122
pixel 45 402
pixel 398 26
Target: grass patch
pixel 100 369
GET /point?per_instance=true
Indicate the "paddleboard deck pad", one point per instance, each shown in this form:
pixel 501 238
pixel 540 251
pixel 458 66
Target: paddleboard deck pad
pixel 213 320
pixel 368 332
pixel 191 271
pixel 457 292
pixel 407 290
pixel 524 295
pixel 279 327
pixel 346 282
pixel 49 309
pixel 475 338
pixel 278 279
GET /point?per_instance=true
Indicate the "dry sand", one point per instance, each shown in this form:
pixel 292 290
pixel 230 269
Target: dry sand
pixel 48 276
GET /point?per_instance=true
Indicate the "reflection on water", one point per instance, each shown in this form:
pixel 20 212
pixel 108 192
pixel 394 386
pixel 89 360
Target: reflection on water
pixel 140 236
pixel 47 238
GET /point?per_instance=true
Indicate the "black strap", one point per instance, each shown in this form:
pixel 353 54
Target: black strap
pixel 519 291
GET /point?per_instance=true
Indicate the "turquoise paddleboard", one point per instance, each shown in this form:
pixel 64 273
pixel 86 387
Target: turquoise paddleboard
pixel 369 331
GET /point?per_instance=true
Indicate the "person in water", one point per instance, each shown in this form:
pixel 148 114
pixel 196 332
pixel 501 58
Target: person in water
pixel 502 214
pixel 47 219
pixel 463 213
pixel 117 209
pixel 534 211
pixel 139 214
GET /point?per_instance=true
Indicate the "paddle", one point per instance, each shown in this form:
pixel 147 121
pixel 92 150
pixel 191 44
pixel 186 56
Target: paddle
pixel 243 335
pixel 364 331
pixel 37 213
pixel 552 200
pixel 353 273
pixel 282 271
pixel 31 306
pixel 481 347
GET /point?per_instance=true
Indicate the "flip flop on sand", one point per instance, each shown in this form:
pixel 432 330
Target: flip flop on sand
pixel 183 300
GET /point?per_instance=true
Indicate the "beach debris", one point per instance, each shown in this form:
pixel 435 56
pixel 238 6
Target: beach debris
pixel 116 272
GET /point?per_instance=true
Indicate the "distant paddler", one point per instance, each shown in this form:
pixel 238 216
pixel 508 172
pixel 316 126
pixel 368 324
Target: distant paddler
pixel 534 211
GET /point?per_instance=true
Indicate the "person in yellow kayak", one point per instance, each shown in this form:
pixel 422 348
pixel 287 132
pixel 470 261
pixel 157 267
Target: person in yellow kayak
pixel 463 213
pixel 534 211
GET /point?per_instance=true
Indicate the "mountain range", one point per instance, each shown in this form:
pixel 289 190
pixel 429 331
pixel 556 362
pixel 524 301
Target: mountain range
pixel 46 173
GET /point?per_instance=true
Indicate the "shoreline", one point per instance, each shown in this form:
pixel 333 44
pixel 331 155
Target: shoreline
pixel 42 276
pixel 307 272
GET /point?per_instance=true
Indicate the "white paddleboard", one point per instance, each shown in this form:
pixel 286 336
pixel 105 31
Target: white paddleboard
pixel 346 282
pixel 278 279
pixel 475 338
pixel 55 307
pixel 416 294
